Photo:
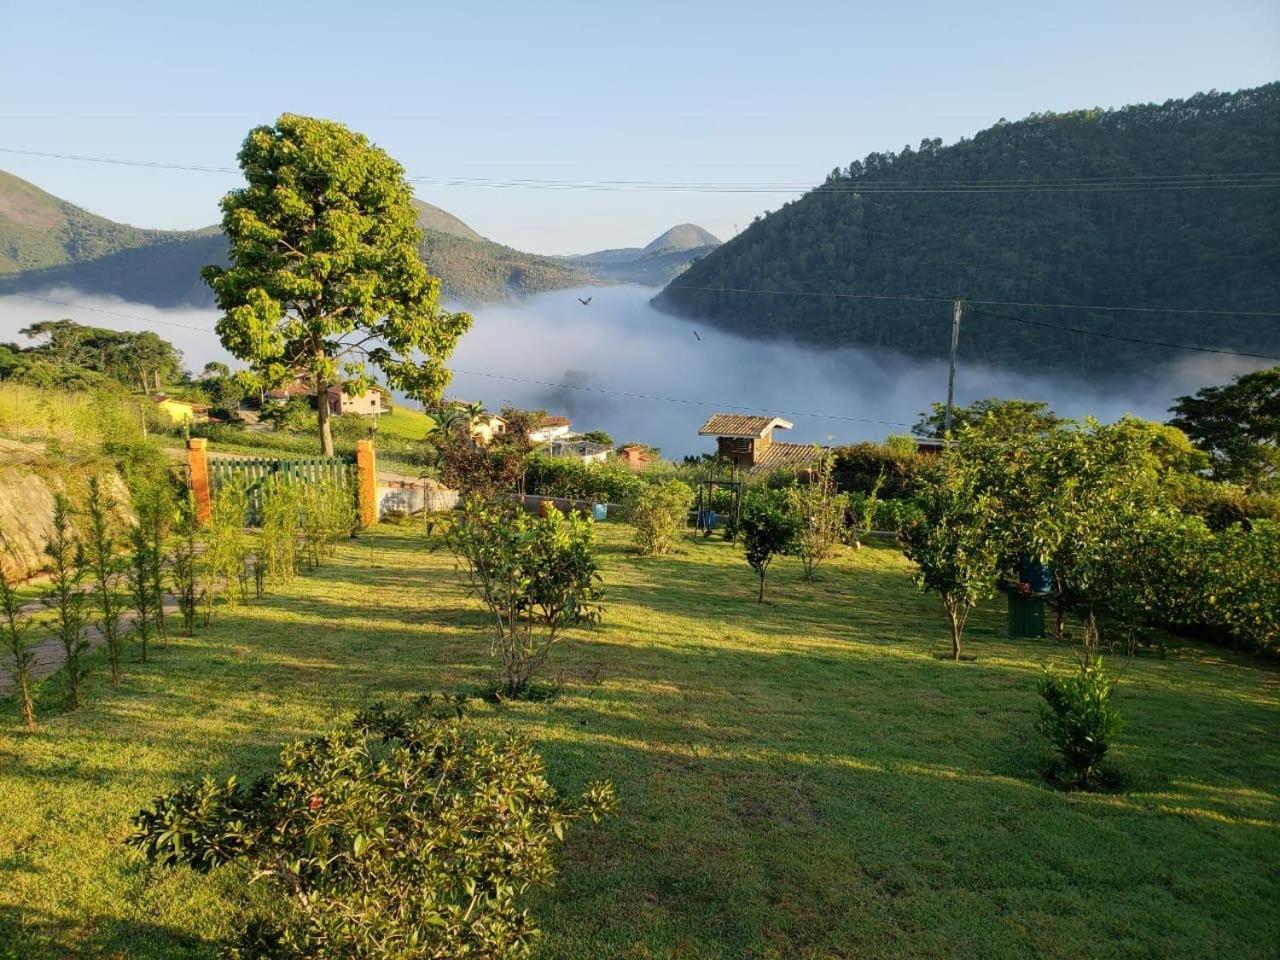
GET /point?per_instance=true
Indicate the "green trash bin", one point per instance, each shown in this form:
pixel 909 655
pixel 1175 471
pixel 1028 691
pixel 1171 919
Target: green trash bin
pixel 1026 615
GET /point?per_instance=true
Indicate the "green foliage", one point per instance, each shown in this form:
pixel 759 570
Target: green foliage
pixel 819 514
pixel 598 436
pixel 19 648
pixel 104 566
pixel 1242 595
pixel 953 542
pixel 484 470
pixel 659 511
pixel 137 360
pixel 1007 419
pixel 328 517
pixel 325 280
pixel 400 836
pixel 185 565
pixel 768 530
pixel 1171 248
pixel 142 561
pixel 1239 426
pixel 608 482
pixel 281 526
pixel 892 469
pixel 1079 719
pixel 535 575
pixel 64 597
pixel 225 562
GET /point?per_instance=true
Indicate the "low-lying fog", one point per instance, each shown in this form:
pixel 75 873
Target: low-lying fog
pixel 552 352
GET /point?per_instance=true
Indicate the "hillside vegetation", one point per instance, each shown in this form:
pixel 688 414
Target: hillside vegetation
pixel 46 243
pixel 1069 240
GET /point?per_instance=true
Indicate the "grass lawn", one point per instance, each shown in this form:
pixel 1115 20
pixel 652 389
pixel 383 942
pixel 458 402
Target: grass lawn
pixel 803 779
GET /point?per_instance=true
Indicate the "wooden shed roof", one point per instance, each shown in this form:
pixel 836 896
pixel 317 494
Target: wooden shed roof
pixel 785 456
pixel 741 426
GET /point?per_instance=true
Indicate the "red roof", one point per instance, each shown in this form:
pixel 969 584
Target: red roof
pixel 555 421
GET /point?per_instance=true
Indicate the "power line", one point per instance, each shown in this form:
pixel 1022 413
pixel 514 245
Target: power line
pixel 1115 336
pixel 497 376
pixel 1109 184
pixel 909 298
pixel 110 313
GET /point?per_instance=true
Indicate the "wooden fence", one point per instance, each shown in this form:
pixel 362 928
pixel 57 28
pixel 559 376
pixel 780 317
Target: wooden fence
pixel 207 475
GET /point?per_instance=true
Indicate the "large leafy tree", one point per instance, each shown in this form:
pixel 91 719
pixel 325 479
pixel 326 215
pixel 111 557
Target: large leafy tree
pixel 1238 425
pixel 325 280
pixel 1005 418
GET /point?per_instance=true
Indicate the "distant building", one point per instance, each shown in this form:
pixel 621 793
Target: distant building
pixel 635 456
pixel 372 401
pixel 181 411
pixel 584 451
pixel 551 428
pixel 485 427
pixel 748 442
pixel 932 445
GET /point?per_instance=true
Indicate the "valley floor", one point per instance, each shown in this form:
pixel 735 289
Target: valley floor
pixel 802 779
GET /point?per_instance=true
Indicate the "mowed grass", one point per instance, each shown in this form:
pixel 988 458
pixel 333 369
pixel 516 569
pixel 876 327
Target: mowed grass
pixel 802 779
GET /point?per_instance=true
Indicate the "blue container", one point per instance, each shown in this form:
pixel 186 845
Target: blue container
pixel 1037 576
pixel 599 511
pixel 708 520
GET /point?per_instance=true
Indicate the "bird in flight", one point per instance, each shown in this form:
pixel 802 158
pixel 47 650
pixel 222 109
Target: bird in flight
pixel 585 302
pixel 697 335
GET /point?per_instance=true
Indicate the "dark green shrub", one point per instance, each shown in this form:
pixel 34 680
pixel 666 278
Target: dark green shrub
pixel 1079 719
pixel 184 566
pixel 859 466
pixel 659 511
pixel 401 836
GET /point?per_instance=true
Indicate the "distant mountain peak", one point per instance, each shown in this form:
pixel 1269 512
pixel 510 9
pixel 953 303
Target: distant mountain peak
pixel 431 217
pixel 683 236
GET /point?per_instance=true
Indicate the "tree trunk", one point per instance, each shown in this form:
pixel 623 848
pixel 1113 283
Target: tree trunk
pixel 28 710
pixel 957 626
pixel 760 598
pixel 322 417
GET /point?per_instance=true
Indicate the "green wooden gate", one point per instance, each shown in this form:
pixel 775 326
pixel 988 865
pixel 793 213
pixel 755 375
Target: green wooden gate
pixel 255 471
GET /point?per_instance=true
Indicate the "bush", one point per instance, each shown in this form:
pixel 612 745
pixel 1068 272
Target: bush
pixel 1242 591
pixel 607 482
pixel 1078 718
pixel 536 575
pixel 819 514
pixel 659 511
pixel 768 530
pixel 401 836
pixel 859 466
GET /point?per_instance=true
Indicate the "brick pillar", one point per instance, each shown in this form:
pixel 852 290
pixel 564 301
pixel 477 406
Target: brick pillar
pixel 198 477
pixel 367 482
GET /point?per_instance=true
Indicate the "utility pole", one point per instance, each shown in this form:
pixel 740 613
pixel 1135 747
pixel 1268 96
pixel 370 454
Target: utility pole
pixel 957 309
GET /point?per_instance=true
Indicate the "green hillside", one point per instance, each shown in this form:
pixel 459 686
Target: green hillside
pixel 46 242
pixel 38 230
pixel 913 224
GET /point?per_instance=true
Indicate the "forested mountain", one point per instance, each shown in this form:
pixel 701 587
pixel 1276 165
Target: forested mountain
pixel 38 230
pixel 1125 207
pixel 46 242
pixel 664 258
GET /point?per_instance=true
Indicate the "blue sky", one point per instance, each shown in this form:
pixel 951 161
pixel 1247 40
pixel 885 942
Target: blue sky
pixel 693 91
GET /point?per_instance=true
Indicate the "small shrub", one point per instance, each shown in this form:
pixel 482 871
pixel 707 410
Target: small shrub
pixel 768 530
pixel 328 516
pixel 658 511
pixel 141 593
pixel 536 576
pixel 281 527
pixel 1078 718
pixel 105 567
pixel 818 512
pixel 64 596
pixel 226 557
pixel 19 648
pixel 402 836
pixel 184 566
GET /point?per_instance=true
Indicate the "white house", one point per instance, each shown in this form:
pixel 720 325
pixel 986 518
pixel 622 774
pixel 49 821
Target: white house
pixel 585 451
pixel 551 428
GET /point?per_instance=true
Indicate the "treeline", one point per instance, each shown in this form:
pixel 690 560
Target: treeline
pixel 1193 247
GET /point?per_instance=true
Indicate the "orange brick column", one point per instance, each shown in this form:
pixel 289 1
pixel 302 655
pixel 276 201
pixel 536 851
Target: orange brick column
pixel 198 477
pixel 367 482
